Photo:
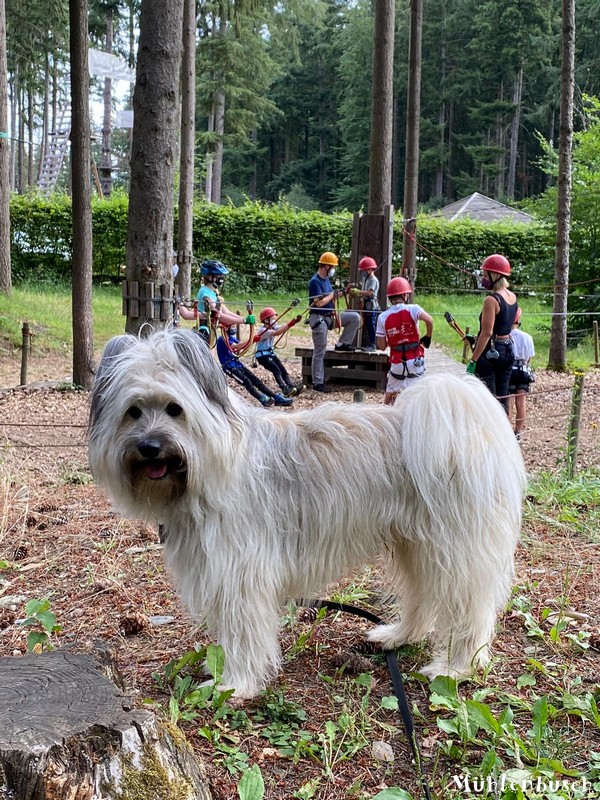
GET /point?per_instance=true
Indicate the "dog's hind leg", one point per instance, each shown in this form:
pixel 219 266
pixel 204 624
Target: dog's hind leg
pixel 407 578
pixel 465 625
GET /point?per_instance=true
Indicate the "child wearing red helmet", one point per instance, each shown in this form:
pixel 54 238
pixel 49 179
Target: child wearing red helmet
pixel 398 327
pixel 228 346
pixel 369 298
pixel 265 350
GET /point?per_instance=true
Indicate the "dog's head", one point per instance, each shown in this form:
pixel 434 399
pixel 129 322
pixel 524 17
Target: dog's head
pixel 161 421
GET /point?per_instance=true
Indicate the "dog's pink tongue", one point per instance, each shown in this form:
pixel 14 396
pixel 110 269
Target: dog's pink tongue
pixel 154 472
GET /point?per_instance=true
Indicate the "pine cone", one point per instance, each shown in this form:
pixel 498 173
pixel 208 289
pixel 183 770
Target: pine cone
pixel 20 553
pixel 7 618
pixel 352 663
pixel 133 623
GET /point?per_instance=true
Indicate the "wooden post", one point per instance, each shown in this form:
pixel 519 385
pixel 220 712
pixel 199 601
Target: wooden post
pixel 25 347
pixel 166 303
pixel 134 299
pixel 124 298
pixel 574 423
pixel 149 296
pixel 596 354
pixel 97 179
pixel 466 347
pixel 385 273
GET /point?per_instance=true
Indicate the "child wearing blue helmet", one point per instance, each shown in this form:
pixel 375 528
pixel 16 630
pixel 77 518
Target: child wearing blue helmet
pixel 213 277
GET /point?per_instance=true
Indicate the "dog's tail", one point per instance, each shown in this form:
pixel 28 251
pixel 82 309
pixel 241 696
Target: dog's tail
pixel 462 459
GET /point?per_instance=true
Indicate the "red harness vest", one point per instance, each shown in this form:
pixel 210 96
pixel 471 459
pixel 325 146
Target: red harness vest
pixel 402 334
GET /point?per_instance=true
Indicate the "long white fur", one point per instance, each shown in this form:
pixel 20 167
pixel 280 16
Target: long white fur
pixel 277 505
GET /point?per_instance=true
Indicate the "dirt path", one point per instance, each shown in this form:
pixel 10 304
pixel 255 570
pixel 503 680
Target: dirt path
pixel 105 579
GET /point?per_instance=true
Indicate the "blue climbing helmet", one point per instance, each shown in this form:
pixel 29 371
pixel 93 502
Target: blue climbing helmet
pixel 212 267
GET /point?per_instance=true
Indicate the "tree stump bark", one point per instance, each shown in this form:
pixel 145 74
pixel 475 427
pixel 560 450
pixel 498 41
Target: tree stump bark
pixel 69 733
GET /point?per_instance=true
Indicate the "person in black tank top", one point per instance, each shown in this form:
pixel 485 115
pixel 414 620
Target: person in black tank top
pixel 493 354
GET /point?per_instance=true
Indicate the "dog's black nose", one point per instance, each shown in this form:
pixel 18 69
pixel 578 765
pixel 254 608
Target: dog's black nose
pixel 149 448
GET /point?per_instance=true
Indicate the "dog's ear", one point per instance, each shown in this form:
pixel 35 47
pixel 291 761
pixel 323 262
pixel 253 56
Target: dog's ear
pixel 195 356
pixel 110 357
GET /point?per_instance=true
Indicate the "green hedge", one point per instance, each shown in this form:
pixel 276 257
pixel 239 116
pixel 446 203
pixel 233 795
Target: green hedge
pixel 253 238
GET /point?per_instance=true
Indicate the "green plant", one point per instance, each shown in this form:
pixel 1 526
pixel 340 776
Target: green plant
pixel 251 785
pixel 188 695
pixel 39 615
pixel 76 477
pixel 514 740
pixel 305 637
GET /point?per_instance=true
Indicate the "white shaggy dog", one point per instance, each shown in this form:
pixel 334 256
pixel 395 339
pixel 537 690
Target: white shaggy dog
pixel 260 506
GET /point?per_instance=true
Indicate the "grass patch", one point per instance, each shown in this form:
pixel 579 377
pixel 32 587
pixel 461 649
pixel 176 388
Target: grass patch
pixel 567 502
pixel 48 311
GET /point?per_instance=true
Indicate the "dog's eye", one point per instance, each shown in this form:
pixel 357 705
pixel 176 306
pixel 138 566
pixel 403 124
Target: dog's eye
pixel 134 412
pixel 174 410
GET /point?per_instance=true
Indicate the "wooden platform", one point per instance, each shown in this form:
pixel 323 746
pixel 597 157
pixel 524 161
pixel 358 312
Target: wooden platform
pixel 360 368
pixel 369 369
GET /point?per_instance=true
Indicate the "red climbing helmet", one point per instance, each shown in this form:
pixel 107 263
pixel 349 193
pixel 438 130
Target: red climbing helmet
pixel 367 263
pixel 267 312
pixel 497 263
pixel 398 286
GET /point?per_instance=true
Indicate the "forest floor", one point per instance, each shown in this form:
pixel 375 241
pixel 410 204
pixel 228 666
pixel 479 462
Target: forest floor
pixel 312 734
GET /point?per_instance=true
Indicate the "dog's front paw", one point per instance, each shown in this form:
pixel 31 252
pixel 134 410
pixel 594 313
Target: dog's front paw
pixel 386 636
pixel 437 668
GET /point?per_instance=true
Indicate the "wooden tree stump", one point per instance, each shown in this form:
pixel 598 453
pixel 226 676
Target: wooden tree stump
pixel 69 733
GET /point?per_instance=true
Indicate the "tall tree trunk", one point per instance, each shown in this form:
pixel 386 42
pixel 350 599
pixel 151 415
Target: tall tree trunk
pixel 550 136
pixel 106 156
pixel 439 171
pixel 382 107
pixel 210 156
pixel 131 59
pixel 413 111
pixel 450 164
pixel 219 113
pixel 500 159
pixel 5 268
pixel 185 232
pixel 30 127
pixel 13 131
pixel 558 333
pixel 83 342
pixel 254 165
pixel 54 93
pixel 45 115
pixel 21 142
pixel 514 134
pixel 395 151
pixel 153 157
pixel 217 168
